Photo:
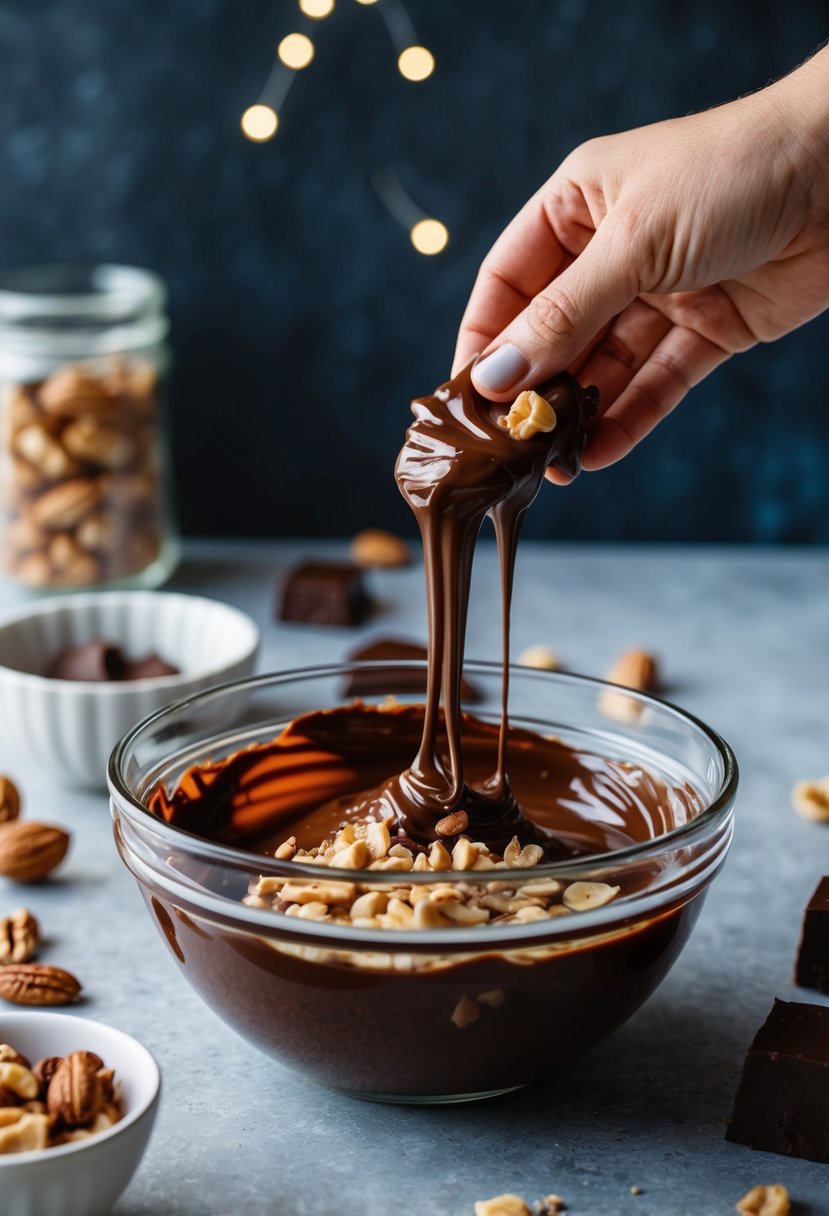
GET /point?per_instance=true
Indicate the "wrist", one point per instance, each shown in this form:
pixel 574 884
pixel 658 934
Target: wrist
pixel 803 101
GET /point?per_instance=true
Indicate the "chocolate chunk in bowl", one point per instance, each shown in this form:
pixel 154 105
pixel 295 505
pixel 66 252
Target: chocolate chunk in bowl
pixel 462 1000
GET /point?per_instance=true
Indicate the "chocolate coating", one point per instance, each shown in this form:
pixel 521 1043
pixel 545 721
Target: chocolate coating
pixel 812 966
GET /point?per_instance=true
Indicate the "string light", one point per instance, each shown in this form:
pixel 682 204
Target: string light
pixel 317 9
pixel 429 237
pixel 416 63
pixel 259 123
pixel 296 51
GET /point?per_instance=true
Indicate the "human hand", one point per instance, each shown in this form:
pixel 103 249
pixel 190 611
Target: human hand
pixel 650 257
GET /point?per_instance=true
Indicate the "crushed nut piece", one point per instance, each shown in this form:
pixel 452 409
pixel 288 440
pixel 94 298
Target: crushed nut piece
pixel 634 669
pixel 19 937
pixel 452 825
pixel 541 657
pixel 550 1205
pixel 765 1201
pixel 584 896
pixel 502 1205
pixel 811 799
pixel 464 1014
pixel 530 414
pixel 636 1190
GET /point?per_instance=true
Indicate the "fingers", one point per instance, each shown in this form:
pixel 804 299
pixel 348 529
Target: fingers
pixel 624 349
pixel 562 318
pixel 679 361
pixel 523 260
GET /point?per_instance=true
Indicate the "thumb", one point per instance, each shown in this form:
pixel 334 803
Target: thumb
pixel 560 321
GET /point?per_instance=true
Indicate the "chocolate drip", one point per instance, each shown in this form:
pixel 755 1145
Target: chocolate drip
pixel 456 467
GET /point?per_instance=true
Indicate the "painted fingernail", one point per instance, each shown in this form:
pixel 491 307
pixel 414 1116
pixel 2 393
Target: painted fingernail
pixel 500 370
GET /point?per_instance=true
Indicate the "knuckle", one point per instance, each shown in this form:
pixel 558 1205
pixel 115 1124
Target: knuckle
pixel 553 315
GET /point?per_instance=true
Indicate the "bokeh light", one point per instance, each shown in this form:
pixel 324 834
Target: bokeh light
pixel 366 2
pixel 317 8
pixel 416 63
pixel 259 123
pixel 296 51
pixel 429 237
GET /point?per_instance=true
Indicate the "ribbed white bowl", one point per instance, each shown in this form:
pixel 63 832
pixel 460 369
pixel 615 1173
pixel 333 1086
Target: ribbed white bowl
pixel 82 1179
pixel 70 727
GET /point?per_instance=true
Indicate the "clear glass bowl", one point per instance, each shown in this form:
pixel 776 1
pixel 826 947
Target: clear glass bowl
pixel 440 1015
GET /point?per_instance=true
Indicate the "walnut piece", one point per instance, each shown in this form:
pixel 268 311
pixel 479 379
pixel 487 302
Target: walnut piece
pixel 541 657
pixel 765 1201
pixel 19 937
pixel 375 547
pixel 529 415
pixel 21 1131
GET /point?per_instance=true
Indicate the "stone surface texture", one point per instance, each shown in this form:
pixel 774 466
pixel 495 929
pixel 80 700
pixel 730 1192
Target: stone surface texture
pixel 743 637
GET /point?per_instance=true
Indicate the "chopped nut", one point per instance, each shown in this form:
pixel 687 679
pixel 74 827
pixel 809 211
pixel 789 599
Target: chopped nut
pixel 529 415
pixel 464 855
pixel 550 1205
pixel 286 850
pixel 518 858
pixel 298 891
pixel 428 916
pixel 765 1201
pixel 636 1190
pixel 452 825
pixel 354 857
pixel 541 657
pixel 584 896
pixel 21 1131
pixel 811 799
pixel 439 857
pixel 19 937
pixel 373 903
pixel 8 1055
pixel 464 1014
pixel 21 1081
pixel 502 1205
pixel 378 840
pixel 494 998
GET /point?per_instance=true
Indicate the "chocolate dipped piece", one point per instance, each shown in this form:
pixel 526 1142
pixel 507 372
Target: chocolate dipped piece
pixel 95 662
pixel 325 593
pixel 812 966
pixel 782 1101
pixel 377 682
pixel 458 465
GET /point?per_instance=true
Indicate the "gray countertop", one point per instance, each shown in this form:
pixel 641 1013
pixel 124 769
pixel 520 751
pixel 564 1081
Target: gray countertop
pixel 744 639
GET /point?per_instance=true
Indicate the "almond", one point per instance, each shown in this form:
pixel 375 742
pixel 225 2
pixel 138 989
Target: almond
pixel 65 505
pixel 634 669
pixel 30 851
pixel 9 800
pixel 37 984
pixel 376 547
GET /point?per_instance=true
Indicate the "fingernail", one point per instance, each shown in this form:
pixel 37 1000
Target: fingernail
pixel 503 368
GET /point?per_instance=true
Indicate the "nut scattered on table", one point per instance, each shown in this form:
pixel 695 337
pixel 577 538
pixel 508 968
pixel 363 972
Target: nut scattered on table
pixel 30 852
pixel 529 415
pixel 38 984
pixel 57 1100
pixel 19 937
pixel 635 669
pixel 9 800
pixel 377 547
pixel 502 1205
pixel 541 657
pixel 81 459
pixel 765 1201
pixel 811 799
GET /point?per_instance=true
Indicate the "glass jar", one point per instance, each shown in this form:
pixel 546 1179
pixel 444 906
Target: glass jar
pixel 83 457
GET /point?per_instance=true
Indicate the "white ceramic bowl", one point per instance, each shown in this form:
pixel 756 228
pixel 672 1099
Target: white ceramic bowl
pixel 85 1178
pixel 69 727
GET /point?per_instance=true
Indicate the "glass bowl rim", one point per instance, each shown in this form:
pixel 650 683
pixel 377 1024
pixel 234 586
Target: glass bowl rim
pixel 708 818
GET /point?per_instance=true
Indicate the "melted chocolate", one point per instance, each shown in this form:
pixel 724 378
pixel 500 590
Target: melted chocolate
pixel 325 767
pixel 456 467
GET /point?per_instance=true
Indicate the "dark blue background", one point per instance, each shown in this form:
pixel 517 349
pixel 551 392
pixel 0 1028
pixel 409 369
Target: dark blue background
pixel 303 320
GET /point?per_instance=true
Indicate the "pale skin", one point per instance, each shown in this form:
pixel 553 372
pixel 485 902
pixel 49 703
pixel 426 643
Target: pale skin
pixel 651 257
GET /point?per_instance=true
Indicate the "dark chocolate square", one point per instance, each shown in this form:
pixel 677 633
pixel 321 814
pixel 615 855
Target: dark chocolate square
pixel 782 1100
pixel 812 966
pixel 325 593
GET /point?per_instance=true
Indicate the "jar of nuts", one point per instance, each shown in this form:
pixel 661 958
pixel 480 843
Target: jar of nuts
pixel 84 498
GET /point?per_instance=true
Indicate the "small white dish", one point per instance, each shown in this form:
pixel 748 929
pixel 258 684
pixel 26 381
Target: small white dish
pixel 84 1178
pixel 67 727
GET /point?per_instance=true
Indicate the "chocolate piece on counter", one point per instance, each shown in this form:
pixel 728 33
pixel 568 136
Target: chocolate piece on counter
pixel 94 662
pixel 782 1101
pixel 325 593
pixel 812 966
pixel 153 667
pixel 391 650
